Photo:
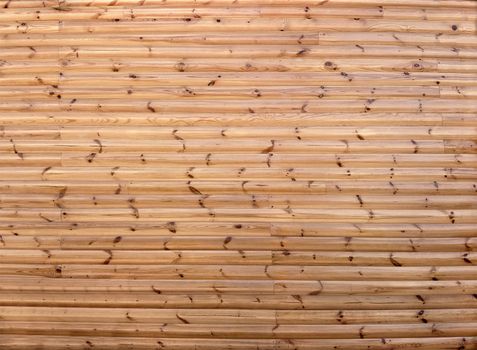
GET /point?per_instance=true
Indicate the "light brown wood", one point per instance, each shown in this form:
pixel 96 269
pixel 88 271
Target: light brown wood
pixel 238 174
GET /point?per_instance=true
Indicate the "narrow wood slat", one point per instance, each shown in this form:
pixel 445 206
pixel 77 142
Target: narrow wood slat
pixel 239 331
pixel 240 228
pixel 217 316
pixel 260 243
pixel 77 267
pixel 235 301
pixel 59 342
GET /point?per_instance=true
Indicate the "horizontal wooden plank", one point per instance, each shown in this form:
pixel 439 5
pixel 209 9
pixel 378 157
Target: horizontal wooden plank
pixel 239 257
pixel 231 242
pixel 245 174
pixel 250 133
pixel 240 317
pixel 231 187
pixel 243 331
pixel 78 342
pixel 240 201
pixel 78 267
pixel 240 228
pixel 262 301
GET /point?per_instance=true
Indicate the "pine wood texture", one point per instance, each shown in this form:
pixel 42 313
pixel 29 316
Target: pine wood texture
pixel 238 174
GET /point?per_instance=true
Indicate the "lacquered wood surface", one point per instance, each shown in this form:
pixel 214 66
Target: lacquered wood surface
pixel 238 174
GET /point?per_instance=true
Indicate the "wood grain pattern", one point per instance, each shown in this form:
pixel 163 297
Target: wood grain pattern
pixel 238 174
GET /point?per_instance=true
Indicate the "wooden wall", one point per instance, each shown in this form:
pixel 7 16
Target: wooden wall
pixel 238 174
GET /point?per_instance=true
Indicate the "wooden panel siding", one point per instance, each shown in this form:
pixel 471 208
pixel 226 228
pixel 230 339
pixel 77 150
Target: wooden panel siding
pixel 238 174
